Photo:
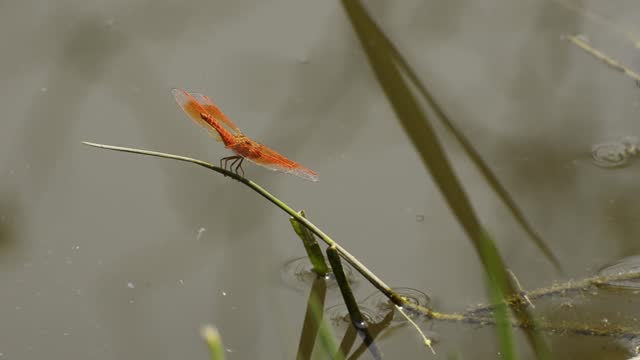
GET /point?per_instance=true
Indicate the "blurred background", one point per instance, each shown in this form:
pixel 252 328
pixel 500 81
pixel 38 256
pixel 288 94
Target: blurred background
pixel 107 255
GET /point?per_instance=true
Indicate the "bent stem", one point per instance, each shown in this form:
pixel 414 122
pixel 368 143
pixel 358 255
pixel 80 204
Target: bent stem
pixel 363 270
pixel 479 315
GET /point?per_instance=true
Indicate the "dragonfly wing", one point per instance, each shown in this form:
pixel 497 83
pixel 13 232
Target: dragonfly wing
pixel 194 108
pixel 215 111
pixel 273 160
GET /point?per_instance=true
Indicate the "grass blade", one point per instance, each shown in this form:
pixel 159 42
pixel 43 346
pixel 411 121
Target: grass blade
pixel 357 320
pixel 310 245
pixel 419 130
pixel 475 157
pixel 214 342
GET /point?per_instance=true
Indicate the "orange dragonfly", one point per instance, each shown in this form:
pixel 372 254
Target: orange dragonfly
pixel 204 112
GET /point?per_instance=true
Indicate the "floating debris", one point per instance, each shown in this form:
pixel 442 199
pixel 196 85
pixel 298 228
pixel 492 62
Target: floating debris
pixel 583 42
pixel 626 266
pixel 201 232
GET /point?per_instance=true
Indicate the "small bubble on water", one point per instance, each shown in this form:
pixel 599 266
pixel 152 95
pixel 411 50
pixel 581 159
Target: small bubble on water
pixel 420 218
pixel 131 285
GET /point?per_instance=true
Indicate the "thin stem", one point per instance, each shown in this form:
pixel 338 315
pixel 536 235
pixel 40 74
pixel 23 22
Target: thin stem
pixel 584 285
pixel 370 276
pixel 582 43
pixel 474 316
pixel 561 327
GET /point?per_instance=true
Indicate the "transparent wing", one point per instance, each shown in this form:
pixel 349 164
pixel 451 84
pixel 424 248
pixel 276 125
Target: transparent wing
pixel 273 160
pixel 193 108
pixel 214 111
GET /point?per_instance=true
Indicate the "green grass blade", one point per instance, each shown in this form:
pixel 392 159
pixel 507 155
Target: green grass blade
pixel 489 176
pixel 310 246
pixel 214 342
pixel 419 130
pixel 357 320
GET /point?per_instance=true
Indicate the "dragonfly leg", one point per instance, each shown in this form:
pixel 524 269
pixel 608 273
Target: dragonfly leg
pixel 236 165
pixel 239 168
pixel 225 161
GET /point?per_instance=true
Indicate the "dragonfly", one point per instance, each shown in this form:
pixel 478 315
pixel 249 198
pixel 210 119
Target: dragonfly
pixel 204 112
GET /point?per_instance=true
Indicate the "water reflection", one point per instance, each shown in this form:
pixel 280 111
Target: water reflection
pixel 616 153
pixel 298 274
pixel 339 315
pixel 377 306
